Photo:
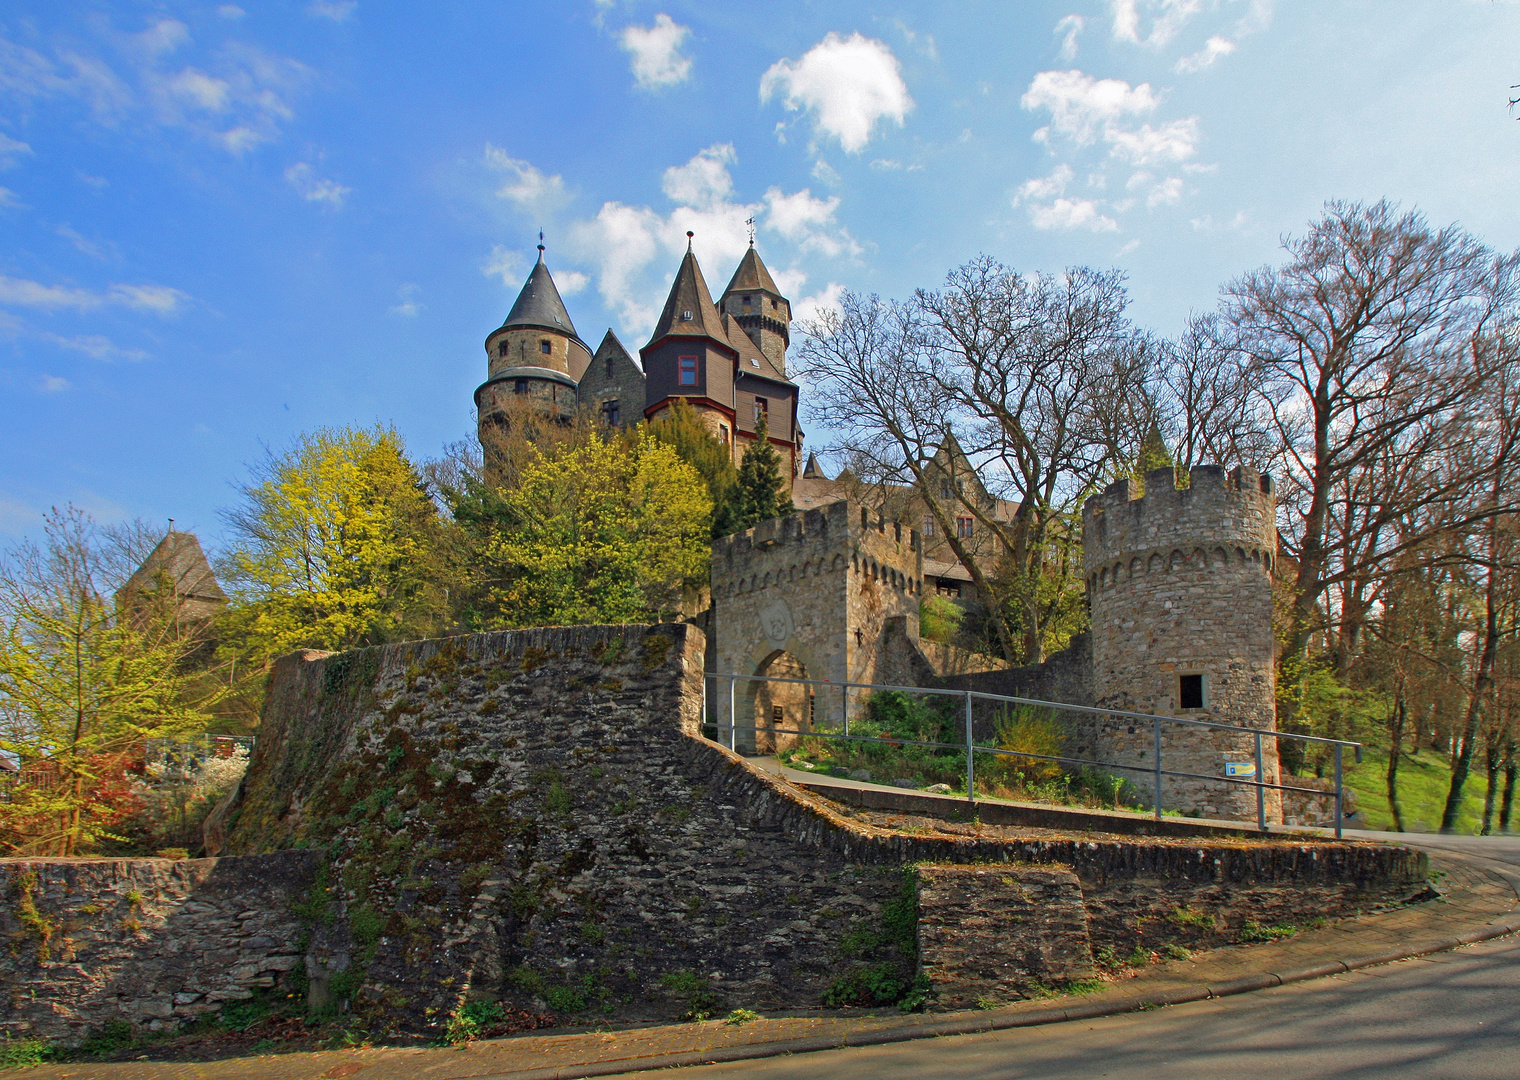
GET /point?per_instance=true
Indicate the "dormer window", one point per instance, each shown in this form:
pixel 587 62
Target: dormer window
pixel 686 371
pixel 545 346
pixel 754 363
pixel 686 316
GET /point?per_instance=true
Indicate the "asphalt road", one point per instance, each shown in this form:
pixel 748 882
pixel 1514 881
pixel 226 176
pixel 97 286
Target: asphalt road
pixel 1452 1015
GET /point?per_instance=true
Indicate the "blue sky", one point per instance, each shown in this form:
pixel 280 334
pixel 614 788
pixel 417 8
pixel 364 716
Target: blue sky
pixel 224 224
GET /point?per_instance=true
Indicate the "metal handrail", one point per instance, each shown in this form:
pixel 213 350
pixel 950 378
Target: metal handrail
pixel 971 749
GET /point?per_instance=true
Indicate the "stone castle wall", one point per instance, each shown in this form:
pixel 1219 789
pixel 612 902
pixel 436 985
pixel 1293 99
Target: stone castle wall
pixel 824 594
pixel 534 817
pixel 153 942
pixel 1180 583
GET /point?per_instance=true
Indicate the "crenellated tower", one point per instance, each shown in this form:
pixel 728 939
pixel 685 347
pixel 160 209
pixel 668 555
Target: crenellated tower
pixel 754 302
pixel 1179 582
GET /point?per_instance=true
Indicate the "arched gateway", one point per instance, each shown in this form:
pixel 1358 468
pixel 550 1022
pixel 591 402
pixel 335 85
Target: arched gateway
pixel 830 594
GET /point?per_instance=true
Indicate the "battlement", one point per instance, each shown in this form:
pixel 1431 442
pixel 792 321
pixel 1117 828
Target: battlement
pixel 1232 509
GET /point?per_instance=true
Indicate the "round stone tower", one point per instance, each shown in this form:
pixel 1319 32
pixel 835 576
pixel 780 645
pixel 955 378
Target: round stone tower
pixel 1180 588
pixel 535 357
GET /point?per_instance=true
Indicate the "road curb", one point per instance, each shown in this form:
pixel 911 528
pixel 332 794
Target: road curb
pixel 974 1024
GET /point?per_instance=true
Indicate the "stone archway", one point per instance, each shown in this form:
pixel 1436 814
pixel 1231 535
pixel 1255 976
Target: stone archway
pixel 779 705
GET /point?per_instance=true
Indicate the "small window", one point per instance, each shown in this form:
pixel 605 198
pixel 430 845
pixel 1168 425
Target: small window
pixel 754 363
pixel 502 347
pixel 1190 692
pixel 687 374
pixel 778 714
pixel 746 301
pixel 609 367
pixel 723 433
pixel 965 527
pixel 520 386
pixel 762 407
pixel 545 347
pixel 610 413
pixel 686 316
pixel 947 587
pixel 945 490
pixel 928 526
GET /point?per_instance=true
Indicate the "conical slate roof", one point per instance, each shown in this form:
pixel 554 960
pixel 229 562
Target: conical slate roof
pixel 752 276
pixel 539 304
pixel 811 471
pixel 178 562
pixel 689 310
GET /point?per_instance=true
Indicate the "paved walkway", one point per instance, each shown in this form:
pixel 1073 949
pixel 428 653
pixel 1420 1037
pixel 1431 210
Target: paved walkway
pixel 1480 901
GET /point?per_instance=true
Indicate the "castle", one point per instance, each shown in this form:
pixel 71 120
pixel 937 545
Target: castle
pixel 727 359
pixel 1179 581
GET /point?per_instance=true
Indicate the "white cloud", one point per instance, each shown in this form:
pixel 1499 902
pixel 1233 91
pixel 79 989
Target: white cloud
pixel 328 193
pixel 1045 187
pixel 826 173
pixel 8 199
pixel 200 90
pixel 528 187
pixel 703 182
pixel 656 53
pixel 1066 213
pixel 230 11
pixel 790 280
pixel 95 346
pixel 627 245
pixel 921 40
pixel 1166 193
pixel 1071 26
pixel 10 150
pixel 336 10
pixel 164 36
pixel 92 248
pixel 810 307
pixel 1127 248
pixel 1213 50
pixel 1081 107
pixel 504 263
pixel 570 282
pixel 1166 17
pixel 1173 141
pixel 848 84
pixel 158 299
pixel 52 384
pixel 408 307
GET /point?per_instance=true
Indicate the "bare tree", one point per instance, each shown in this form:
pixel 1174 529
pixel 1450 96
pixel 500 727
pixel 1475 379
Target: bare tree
pixel 1206 400
pixel 1361 347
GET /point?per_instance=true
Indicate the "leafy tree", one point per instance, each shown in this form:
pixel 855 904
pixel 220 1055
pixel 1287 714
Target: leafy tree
pixel 682 430
pixel 761 492
pixel 83 682
pixel 596 533
pixel 333 546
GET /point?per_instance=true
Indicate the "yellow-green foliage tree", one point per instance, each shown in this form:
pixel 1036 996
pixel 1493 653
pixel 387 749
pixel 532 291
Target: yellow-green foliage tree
pixel 83 681
pixel 333 547
pixel 601 532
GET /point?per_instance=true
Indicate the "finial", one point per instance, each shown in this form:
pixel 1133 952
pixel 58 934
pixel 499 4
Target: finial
pixel 689 235
pixel 751 223
pixel 540 245
pixel 171 524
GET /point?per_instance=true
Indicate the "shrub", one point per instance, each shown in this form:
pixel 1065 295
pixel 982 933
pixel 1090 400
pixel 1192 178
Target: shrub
pixel 939 619
pixel 1028 729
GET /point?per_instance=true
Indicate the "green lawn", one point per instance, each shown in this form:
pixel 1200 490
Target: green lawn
pixel 1423 782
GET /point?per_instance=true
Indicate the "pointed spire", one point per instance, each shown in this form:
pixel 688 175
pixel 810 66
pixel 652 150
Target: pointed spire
pixel 811 471
pixel 539 303
pixel 752 276
pixel 689 309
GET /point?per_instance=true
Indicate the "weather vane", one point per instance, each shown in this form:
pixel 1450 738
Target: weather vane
pixel 751 223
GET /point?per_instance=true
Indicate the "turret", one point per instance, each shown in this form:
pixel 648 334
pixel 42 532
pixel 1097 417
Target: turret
pixel 534 355
pixel 1179 584
pixel 754 302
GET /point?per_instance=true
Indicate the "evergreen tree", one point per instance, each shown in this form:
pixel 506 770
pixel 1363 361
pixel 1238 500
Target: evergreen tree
pixel 761 495
pixel 683 431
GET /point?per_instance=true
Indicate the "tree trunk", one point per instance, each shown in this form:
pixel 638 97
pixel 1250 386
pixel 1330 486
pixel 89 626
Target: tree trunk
pixel 1482 682
pixel 1395 745
pixel 1511 767
pixel 1491 762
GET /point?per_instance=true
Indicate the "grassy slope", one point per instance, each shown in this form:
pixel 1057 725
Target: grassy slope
pixel 1423 783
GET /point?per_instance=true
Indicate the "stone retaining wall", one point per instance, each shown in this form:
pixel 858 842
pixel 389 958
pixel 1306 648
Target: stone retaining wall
pixel 154 942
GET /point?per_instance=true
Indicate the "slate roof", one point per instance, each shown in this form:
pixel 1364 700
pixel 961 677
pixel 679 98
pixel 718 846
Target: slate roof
pixel 178 556
pixel 752 275
pixel 811 470
pixel 539 304
pixel 612 348
pixel 689 295
pixel 751 360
